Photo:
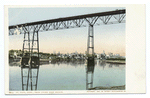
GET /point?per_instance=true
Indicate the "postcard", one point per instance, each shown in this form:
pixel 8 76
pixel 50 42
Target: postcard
pixel 90 49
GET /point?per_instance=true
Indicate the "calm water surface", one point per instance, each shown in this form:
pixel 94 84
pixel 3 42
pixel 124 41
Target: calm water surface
pixel 68 76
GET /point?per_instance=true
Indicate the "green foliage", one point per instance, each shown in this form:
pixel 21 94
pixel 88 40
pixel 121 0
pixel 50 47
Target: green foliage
pixel 19 52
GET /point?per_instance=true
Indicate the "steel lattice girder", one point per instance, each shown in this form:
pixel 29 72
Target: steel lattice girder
pixel 110 17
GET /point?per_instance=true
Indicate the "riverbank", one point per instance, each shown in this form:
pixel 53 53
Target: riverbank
pixel 109 88
pixel 53 61
pixel 47 61
pixel 115 61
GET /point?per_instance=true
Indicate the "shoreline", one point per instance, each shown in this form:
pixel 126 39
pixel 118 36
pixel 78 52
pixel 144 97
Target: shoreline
pixel 43 61
pixel 109 88
pixel 114 61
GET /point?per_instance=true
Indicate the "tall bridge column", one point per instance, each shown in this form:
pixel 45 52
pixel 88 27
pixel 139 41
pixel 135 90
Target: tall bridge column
pixel 30 59
pixel 35 49
pixel 30 51
pixel 90 43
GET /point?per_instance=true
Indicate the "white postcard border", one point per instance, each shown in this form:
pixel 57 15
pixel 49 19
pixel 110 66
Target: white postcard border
pixel 135 52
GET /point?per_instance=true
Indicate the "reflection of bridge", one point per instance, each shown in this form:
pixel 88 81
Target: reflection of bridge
pixel 29 76
pixel 89 75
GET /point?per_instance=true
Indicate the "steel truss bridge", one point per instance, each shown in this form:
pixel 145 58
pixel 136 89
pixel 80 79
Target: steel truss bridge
pixel 31 30
pixel 110 17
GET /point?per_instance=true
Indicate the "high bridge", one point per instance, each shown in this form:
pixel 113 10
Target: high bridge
pixel 31 29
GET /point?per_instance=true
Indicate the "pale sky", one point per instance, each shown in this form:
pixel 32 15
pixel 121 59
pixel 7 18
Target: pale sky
pixel 110 38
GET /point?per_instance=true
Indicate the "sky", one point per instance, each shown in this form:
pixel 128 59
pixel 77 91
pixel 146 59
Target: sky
pixel 110 38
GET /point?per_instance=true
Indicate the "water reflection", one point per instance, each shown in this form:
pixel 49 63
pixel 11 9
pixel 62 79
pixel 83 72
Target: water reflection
pixel 67 75
pixel 110 65
pixel 102 63
pixel 89 74
pixel 29 76
pixel 69 62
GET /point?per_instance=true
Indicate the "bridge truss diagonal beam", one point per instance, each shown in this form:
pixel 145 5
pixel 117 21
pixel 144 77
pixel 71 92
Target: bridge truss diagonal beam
pixel 103 18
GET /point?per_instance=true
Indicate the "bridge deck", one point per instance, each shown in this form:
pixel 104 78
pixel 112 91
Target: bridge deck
pixel 70 18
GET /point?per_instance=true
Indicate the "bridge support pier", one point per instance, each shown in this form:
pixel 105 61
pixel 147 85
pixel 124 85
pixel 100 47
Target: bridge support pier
pixel 90 60
pixel 90 43
pixel 30 49
pixel 30 57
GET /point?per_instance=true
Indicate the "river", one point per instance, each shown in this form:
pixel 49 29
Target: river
pixel 67 76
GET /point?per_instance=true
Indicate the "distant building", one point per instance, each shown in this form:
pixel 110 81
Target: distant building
pixel 103 55
pixel 110 54
pixel 117 55
pixel 107 56
pixel 98 56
